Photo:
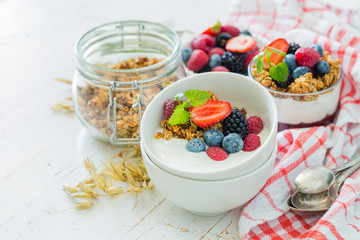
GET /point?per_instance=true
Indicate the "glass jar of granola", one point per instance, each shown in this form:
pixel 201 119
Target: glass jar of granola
pixel 120 67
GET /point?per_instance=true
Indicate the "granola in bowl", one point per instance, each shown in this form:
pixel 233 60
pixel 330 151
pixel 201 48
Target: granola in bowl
pixel 304 81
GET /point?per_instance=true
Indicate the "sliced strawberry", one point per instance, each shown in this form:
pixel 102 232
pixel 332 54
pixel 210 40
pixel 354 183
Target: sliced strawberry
pixel 275 58
pixel 241 44
pixel 214 30
pixel 210 113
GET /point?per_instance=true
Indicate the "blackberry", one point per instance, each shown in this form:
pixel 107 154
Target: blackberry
pixel 284 84
pixel 235 62
pixel 207 68
pixel 221 39
pixel 235 123
pixel 293 47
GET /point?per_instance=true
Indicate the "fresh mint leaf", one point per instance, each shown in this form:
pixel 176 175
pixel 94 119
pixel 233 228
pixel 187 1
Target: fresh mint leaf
pixel 279 72
pixel 178 96
pixel 179 116
pixel 277 51
pixel 259 64
pixel 197 97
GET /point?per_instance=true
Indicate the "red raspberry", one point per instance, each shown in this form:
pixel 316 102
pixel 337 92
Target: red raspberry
pixel 255 124
pixel 203 42
pixel 217 153
pixel 216 50
pixel 169 106
pixel 220 69
pixel 198 59
pixel 251 142
pixel 232 30
pixel 307 57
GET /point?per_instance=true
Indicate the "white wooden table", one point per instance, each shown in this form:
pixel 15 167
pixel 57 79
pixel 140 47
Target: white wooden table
pixel 40 150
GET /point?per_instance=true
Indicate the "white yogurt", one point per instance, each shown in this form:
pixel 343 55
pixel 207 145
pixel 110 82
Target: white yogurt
pixel 174 155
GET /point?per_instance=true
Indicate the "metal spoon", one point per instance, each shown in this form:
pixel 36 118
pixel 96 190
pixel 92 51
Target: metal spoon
pixel 320 201
pixel 317 179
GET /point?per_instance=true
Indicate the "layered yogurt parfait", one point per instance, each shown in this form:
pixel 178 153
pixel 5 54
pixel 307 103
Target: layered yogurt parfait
pixel 304 81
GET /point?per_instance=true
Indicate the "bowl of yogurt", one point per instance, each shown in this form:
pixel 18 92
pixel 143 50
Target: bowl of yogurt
pixel 241 91
pixel 208 198
pixel 309 98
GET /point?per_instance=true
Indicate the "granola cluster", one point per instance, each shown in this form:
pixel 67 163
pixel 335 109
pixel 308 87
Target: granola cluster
pixel 188 130
pixel 306 83
pixel 93 100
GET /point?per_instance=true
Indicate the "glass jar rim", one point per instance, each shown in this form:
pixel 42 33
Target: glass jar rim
pixel 82 61
pixel 298 94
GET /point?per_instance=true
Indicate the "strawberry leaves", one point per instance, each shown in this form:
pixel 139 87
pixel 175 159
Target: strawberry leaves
pixel 278 72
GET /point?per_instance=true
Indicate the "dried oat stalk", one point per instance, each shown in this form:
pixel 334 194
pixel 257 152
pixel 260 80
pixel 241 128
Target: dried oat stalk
pixel 121 174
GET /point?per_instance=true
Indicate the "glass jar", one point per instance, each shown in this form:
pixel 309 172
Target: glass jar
pixel 306 109
pixel 109 100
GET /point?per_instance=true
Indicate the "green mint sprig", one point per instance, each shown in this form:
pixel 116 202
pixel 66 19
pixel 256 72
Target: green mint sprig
pixel 277 72
pixel 194 98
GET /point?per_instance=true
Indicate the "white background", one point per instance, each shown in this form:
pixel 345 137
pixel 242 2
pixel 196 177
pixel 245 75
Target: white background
pixel 40 150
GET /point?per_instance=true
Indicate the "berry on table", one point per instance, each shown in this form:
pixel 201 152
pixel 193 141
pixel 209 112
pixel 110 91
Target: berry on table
pixel 222 39
pixel 241 44
pixel 210 113
pixel 216 50
pixel 232 30
pixel 290 61
pixel 307 57
pixel 322 68
pixel 235 123
pixel 255 124
pixel 299 72
pixel 220 69
pixel 213 137
pixel 318 48
pixel 246 32
pixel 186 52
pixel 203 42
pixel 232 143
pixel 250 56
pixel 293 46
pixel 169 106
pixel 215 60
pixel 198 59
pixel 195 145
pixel 233 61
pixel 217 153
pixel 251 142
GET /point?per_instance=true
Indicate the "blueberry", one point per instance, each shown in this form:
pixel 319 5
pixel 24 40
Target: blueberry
pixel 246 32
pixel 213 137
pixel 321 68
pixel 299 72
pixel 195 145
pixel 186 52
pixel 232 143
pixel 215 60
pixel 318 48
pixel 289 59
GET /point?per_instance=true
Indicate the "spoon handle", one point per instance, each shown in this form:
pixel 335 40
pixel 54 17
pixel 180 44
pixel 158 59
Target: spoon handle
pixel 334 190
pixel 355 159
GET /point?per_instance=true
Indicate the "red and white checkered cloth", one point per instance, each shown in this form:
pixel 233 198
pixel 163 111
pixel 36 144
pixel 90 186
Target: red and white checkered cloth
pixel 267 215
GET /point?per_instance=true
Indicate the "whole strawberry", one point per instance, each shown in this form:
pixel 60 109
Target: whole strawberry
pixel 198 59
pixel 232 30
pixel 307 57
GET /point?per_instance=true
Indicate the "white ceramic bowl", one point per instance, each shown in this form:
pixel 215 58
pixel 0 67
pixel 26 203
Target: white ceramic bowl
pixel 208 198
pixel 240 91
